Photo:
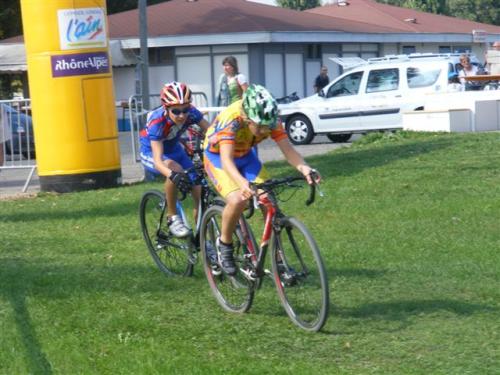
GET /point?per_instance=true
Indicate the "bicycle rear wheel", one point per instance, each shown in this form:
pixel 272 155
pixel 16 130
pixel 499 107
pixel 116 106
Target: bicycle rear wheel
pixel 300 275
pixel 233 293
pixel 173 256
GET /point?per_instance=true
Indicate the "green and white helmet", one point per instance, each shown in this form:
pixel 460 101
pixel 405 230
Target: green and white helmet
pixel 260 106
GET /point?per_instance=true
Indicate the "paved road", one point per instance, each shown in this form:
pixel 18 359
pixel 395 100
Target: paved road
pixel 13 180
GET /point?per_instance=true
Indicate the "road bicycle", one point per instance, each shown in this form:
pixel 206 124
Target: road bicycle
pixel 177 256
pixel 297 267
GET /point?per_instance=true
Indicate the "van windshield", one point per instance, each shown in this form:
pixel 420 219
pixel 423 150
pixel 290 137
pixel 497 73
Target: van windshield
pixel 349 85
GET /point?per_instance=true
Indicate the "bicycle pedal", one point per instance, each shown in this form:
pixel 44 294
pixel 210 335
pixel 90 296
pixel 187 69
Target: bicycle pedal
pixel 216 270
pixel 249 274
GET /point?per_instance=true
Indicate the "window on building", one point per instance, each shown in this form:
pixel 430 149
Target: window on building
pixel 161 56
pixel 408 49
pixel 462 49
pixel 445 49
pixel 314 51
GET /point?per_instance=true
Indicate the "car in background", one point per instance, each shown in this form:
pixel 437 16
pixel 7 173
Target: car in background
pixel 20 126
pixel 370 96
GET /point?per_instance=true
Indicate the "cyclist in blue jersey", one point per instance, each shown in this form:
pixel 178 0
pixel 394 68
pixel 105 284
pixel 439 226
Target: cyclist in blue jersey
pixel 163 154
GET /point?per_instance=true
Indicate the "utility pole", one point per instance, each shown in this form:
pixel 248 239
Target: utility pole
pixel 143 30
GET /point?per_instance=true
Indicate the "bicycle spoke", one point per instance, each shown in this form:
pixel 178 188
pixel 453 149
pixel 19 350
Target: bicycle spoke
pixel 233 293
pixel 173 256
pixel 300 277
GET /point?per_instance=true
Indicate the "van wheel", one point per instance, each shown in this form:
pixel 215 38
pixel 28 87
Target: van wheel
pixel 339 138
pixel 299 130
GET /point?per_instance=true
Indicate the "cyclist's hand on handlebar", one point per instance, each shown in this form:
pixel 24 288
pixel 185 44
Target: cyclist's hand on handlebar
pixel 312 175
pixel 182 181
pixel 246 191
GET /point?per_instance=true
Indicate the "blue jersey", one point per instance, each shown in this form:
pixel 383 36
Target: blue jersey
pixel 161 128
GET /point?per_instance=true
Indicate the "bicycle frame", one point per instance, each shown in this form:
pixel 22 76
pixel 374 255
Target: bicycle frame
pixel 271 212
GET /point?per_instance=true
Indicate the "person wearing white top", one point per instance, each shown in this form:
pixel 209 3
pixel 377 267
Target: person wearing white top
pixel 467 69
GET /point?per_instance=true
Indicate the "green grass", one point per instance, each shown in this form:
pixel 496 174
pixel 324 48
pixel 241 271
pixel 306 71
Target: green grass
pixel 409 228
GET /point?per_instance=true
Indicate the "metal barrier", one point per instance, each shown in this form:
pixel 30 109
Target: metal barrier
pixel 17 146
pixel 16 130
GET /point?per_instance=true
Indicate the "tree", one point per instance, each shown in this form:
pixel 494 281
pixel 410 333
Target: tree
pixel 484 11
pixel 10 18
pixel 430 6
pixel 116 6
pixel 299 4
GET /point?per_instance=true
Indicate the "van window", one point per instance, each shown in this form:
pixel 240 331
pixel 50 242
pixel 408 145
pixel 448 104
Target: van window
pixel 349 85
pixel 383 80
pixel 421 77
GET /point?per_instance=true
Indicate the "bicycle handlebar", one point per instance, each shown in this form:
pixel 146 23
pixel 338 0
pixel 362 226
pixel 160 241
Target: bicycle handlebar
pixel 273 183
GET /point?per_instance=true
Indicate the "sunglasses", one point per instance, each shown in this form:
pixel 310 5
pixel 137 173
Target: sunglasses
pixel 177 112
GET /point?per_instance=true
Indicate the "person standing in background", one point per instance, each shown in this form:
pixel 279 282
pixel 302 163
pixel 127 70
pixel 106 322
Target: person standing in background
pixel 487 64
pixel 322 79
pixel 232 84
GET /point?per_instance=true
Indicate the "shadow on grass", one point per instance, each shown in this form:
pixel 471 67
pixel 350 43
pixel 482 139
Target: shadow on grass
pixel 20 279
pixel 111 209
pixel 357 160
pixel 354 160
pixel 35 358
pixel 354 272
pixel 401 311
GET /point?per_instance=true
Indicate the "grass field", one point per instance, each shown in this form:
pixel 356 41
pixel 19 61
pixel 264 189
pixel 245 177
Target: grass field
pixel 410 231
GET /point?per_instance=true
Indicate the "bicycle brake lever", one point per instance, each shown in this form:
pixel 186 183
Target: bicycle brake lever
pixel 320 192
pixel 255 201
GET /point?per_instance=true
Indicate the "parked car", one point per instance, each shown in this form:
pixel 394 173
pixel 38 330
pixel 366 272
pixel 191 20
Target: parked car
pixel 19 123
pixel 370 96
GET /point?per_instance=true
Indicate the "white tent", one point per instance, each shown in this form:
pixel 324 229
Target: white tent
pixel 12 58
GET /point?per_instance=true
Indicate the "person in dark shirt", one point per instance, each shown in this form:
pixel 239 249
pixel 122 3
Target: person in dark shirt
pixel 322 79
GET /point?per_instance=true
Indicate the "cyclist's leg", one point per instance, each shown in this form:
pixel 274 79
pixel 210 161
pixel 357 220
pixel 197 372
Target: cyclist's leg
pixel 185 162
pixel 170 188
pixel 231 213
pixel 251 168
pixel 175 158
pixel 229 190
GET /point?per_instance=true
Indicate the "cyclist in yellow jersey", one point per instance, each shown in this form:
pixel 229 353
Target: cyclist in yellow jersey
pixel 232 164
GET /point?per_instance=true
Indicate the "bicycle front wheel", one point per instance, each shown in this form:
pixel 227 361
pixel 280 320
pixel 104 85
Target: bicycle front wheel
pixel 173 256
pixel 300 275
pixel 233 293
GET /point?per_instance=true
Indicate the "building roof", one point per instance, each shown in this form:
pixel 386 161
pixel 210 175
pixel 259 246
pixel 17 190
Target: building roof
pixel 209 22
pixel 402 19
pixel 184 17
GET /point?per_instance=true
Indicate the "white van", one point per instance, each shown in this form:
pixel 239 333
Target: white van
pixel 368 97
